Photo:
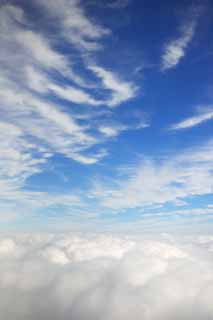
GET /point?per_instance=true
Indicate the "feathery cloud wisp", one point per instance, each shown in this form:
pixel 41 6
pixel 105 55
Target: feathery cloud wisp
pixel 154 183
pixel 200 117
pixel 39 90
pixel 121 91
pixel 175 50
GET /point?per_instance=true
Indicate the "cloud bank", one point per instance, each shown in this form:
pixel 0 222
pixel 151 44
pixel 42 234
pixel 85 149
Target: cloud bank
pixel 69 276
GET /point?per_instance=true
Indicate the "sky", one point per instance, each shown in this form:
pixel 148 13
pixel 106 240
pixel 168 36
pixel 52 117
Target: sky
pixel 106 159
pixel 106 115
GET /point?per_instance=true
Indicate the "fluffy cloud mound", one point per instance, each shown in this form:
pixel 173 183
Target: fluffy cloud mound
pixel 105 277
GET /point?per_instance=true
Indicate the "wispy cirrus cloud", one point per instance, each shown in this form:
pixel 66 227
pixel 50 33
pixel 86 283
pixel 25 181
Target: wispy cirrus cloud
pixel 121 91
pixel 160 182
pixel 175 49
pixel 73 23
pixel 203 114
pixel 111 129
pixel 118 4
pixel 39 89
pixel 21 158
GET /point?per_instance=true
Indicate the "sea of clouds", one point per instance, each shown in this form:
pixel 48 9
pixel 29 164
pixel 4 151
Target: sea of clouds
pixel 106 277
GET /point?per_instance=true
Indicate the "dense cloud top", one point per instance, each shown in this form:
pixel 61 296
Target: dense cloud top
pixel 105 277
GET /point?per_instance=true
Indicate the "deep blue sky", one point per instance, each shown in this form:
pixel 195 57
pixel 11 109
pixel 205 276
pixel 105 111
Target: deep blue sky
pixel 106 115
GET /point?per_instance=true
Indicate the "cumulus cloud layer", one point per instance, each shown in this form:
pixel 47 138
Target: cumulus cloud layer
pixel 106 277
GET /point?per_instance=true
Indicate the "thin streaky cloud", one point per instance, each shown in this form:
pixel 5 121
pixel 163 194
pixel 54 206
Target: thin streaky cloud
pixel 152 183
pixel 39 90
pixel 175 49
pixel 118 4
pixel 196 120
pixel 121 90
pixel 74 24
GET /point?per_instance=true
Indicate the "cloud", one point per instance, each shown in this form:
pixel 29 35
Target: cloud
pixel 198 211
pixel 175 49
pixel 20 158
pixel 75 26
pixel 90 159
pixel 204 114
pixel 114 129
pixel 41 95
pixel 118 4
pixel 160 181
pixel 106 277
pixel 121 91
pixel 40 50
pixel 73 95
pixel 154 216
pixel 31 47
pixel 17 161
pixel 111 131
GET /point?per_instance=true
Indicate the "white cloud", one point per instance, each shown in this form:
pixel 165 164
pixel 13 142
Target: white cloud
pixel 16 157
pixel 195 214
pixel 118 4
pixel 90 159
pixel 121 91
pixel 25 150
pixel 76 27
pixel 7 247
pixel 40 93
pixel 112 131
pixel 197 211
pixel 74 95
pixel 40 50
pixel 31 47
pixel 204 114
pixel 159 182
pixel 175 50
pixel 43 116
pixel 106 277
pixel 20 159
pixel 39 82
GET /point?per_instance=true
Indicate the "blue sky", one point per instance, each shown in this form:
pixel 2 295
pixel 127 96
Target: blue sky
pixel 106 115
